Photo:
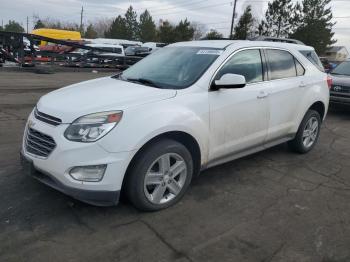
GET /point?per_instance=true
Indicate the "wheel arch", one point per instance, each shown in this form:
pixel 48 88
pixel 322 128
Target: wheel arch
pixel 179 136
pixel 319 107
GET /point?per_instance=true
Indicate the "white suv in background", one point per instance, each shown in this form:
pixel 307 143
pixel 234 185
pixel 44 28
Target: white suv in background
pixel 189 106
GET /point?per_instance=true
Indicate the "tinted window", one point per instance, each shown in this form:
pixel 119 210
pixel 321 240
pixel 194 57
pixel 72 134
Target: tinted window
pixel 247 63
pixel 313 58
pixel 300 68
pixel 281 64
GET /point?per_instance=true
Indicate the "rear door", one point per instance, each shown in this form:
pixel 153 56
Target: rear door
pixel 287 84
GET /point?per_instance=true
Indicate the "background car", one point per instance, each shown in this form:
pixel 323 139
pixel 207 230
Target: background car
pixel 104 53
pixel 137 51
pixel 153 45
pixel 340 91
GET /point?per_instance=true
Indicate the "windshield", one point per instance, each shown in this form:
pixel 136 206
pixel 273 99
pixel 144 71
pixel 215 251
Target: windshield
pixel 342 69
pixel 173 67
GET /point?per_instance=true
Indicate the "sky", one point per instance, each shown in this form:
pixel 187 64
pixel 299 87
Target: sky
pixel 214 14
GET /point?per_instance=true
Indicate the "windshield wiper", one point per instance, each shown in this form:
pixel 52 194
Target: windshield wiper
pixel 144 81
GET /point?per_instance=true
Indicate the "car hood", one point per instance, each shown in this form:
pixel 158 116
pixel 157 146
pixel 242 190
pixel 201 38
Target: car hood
pixel 341 80
pixel 102 94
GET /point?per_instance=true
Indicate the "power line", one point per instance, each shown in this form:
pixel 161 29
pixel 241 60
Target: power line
pixel 176 7
pixel 202 7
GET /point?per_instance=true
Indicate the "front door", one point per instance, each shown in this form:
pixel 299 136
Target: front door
pixel 239 116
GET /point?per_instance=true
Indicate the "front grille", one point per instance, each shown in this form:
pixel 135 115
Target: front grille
pixel 47 118
pixel 38 143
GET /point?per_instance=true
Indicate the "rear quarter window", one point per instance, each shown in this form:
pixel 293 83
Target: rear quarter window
pixel 313 58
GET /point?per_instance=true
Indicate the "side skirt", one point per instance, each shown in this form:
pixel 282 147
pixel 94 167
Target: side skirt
pixel 246 152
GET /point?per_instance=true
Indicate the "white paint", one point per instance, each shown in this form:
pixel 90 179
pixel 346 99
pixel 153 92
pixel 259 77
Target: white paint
pixel 227 123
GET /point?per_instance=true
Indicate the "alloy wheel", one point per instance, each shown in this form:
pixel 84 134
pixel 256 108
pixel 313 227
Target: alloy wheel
pixel 165 178
pixel 310 132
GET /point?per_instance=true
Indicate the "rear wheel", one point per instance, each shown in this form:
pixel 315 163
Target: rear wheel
pixel 160 176
pixel 308 133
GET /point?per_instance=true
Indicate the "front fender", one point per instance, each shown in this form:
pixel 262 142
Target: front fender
pixel 139 125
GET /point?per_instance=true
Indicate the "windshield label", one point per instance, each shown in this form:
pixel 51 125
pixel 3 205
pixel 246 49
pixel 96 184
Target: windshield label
pixel 209 52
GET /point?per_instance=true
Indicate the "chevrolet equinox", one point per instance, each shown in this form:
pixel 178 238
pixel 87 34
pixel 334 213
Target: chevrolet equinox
pixel 189 106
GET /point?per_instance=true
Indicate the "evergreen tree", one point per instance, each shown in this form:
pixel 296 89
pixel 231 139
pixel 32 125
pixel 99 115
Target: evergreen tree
pixel 213 34
pixel 147 27
pixel 13 26
pixel 278 18
pixel 39 24
pixel 166 32
pixel 245 26
pixel 183 31
pixel 90 32
pixel 296 18
pixel 316 26
pixel 131 25
pixel 118 29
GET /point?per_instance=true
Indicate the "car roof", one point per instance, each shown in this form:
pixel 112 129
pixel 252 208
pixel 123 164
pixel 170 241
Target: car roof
pixel 104 45
pixel 223 44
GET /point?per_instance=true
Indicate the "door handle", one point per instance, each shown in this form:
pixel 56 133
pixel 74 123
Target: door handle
pixel 262 95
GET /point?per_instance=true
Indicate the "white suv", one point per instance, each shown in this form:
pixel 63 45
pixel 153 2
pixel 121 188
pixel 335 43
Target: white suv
pixel 149 130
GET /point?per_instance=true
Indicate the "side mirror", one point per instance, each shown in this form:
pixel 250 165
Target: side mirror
pixel 229 81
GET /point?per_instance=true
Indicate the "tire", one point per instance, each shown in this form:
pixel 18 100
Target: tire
pixel 299 144
pixel 151 185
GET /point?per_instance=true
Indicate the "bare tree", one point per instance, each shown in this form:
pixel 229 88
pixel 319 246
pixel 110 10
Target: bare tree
pixel 101 25
pixel 199 30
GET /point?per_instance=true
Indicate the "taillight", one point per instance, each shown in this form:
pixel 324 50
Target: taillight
pixel 329 81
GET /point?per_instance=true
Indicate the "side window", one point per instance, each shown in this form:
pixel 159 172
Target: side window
pixel 300 69
pixel 247 63
pixel 281 64
pixel 313 58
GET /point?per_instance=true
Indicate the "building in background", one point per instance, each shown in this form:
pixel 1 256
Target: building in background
pixel 337 54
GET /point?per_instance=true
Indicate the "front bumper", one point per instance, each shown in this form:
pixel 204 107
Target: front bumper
pixel 54 169
pixel 93 197
pixel 339 98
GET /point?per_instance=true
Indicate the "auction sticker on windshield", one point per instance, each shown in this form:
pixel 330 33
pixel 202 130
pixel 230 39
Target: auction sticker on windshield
pixel 209 52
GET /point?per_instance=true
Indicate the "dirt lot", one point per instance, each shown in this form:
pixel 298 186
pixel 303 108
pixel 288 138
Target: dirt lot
pixel 272 206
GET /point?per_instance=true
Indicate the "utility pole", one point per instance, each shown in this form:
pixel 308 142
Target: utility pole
pixel 81 19
pixel 233 18
pixel 27 24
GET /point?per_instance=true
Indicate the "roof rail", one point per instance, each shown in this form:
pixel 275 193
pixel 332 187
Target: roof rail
pixel 219 38
pixel 277 39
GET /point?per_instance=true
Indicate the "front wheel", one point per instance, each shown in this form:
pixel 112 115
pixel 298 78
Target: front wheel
pixel 308 133
pixel 160 176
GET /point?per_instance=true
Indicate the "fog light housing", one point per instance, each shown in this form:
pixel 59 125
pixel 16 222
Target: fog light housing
pixel 88 173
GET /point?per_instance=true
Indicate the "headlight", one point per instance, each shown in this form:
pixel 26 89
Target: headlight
pixel 91 128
